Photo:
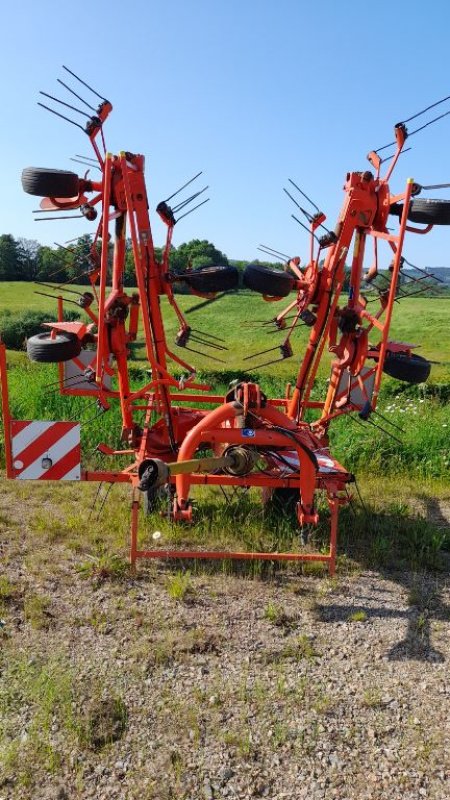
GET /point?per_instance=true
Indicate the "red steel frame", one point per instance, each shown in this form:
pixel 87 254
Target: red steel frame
pixel 244 417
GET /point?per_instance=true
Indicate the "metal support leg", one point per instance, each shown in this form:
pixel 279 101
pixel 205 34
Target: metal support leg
pixel 134 528
pixel 333 502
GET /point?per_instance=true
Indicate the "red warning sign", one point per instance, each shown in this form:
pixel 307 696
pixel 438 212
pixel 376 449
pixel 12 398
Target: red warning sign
pixel 46 451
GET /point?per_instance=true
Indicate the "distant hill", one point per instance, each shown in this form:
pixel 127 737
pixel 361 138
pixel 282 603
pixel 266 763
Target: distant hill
pixel 443 273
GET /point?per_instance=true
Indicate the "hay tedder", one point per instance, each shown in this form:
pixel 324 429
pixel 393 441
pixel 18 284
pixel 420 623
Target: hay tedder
pixel 242 439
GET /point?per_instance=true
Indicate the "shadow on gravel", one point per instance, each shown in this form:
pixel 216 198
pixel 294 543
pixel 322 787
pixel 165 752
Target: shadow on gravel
pixel 424 605
pixel 411 551
pixel 400 545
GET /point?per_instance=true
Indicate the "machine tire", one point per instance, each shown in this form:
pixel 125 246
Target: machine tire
pixel 52 351
pixel 284 501
pixel 411 369
pixel 427 212
pixel 213 279
pixel 268 281
pixel 50 182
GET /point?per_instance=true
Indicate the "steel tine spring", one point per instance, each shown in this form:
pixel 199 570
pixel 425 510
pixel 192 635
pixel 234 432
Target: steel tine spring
pixel 78 382
pixel 85 164
pixel 70 378
pixel 306 213
pixel 283 330
pixel 76 238
pixel 43 210
pixel 428 108
pixel 67 105
pixel 87 158
pixel 193 209
pixel 55 297
pixel 64 380
pixel 49 286
pixel 431 122
pixel 184 203
pixel 79 415
pixel 389 421
pixel 383 430
pixel 419 114
pixel 84 84
pixel 52 111
pixel 52 219
pixel 304 195
pixel 183 187
pixel 102 504
pixel 69 249
pixel 96 416
pixel 423 271
pixel 95 500
pixel 391 155
pixel 277 252
pixel 360 497
pixel 421 291
pixel 437 186
pixel 306 228
pixel 76 95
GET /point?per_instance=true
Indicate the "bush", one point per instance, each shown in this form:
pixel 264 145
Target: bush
pixel 15 329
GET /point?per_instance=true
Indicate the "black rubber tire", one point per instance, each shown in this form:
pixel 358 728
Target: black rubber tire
pixel 284 501
pixel 213 279
pixel 427 212
pixel 268 281
pixel 412 369
pixel 50 182
pixel 154 500
pixel 46 350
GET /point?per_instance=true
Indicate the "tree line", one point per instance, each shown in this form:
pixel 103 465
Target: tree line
pixel 27 260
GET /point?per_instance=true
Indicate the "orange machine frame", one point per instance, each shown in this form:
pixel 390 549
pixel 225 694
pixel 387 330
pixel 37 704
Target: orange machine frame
pixel 245 419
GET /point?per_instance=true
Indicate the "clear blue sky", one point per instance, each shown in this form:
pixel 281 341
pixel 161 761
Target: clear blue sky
pixel 252 92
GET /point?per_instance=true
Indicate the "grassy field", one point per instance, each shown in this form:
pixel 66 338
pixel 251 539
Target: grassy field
pixel 422 412
pixel 420 321
pixel 109 680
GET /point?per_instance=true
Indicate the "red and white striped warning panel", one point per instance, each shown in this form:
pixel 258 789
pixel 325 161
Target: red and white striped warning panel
pixel 46 451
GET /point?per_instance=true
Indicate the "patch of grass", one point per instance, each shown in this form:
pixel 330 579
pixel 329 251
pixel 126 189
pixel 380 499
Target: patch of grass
pixel 422 593
pixel 357 616
pixel 7 589
pixel 103 721
pixel 36 609
pixel 179 586
pixel 44 688
pixel 300 648
pixel 105 567
pixel 372 698
pixel 48 712
pixel 323 703
pixel 276 615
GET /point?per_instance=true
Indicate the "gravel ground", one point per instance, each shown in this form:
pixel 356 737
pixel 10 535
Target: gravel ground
pixel 219 686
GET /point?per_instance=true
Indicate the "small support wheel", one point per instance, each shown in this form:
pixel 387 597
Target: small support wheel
pixel 271 282
pixel 49 349
pixel 50 182
pixel 153 501
pixel 409 368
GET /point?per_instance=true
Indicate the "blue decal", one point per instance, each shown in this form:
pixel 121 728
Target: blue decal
pixel 248 432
